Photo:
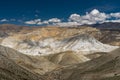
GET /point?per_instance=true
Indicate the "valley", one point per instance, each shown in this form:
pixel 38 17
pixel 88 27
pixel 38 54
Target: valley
pixel 59 53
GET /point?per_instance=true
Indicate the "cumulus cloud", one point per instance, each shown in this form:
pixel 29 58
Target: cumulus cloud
pixel 45 22
pixel 93 17
pixel 39 22
pixel 116 15
pixel 4 20
pixel 7 20
pixel 67 24
pixel 33 22
pixel 54 20
pixel 90 18
pixel 75 17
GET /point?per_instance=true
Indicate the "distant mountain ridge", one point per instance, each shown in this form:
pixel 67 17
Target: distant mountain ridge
pixel 107 25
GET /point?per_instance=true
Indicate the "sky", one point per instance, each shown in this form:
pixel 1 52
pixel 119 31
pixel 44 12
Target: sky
pixel 62 12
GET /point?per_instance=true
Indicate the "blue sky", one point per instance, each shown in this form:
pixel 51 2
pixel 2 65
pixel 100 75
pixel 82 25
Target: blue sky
pixel 24 10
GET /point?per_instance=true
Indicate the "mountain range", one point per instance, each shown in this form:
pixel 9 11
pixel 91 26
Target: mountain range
pixel 88 52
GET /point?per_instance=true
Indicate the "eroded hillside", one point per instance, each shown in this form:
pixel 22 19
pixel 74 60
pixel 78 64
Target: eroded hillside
pixel 59 53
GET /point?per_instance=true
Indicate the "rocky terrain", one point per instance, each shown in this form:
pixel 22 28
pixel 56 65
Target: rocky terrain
pixel 80 43
pixel 110 32
pixel 9 68
pixel 111 36
pixel 59 53
pixel 47 40
pixel 105 67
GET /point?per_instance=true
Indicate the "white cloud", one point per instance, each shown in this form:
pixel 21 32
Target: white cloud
pixel 54 20
pixel 39 22
pixel 74 17
pixel 90 18
pixel 45 22
pixel 116 15
pixel 30 22
pixel 4 20
pixel 93 17
pixel 33 22
pixel 67 24
pixel 94 12
pixel 118 21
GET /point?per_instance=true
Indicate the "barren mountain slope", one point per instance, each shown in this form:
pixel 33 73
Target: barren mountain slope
pixel 105 67
pixel 67 58
pixel 110 36
pixel 60 52
pixel 34 64
pixel 38 33
pixel 9 70
pixel 77 43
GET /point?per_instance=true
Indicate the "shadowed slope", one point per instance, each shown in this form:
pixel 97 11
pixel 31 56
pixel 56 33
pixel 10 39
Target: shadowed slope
pixel 9 70
pixel 102 68
pixel 67 58
pixel 106 67
pixel 34 64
